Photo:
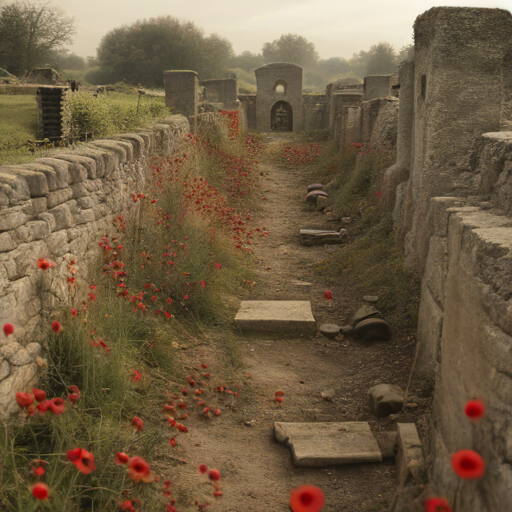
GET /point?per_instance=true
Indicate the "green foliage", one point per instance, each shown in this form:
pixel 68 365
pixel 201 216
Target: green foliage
pixel 380 59
pixel 18 123
pixel 141 52
pixel 247 61
pixel 29 33
pixel 291 48
pixel 88 116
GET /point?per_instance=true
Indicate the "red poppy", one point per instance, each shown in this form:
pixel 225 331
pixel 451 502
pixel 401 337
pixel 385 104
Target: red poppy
pixel 218 266
pixel 437 505
pixel 127 506
pixel 217 493
pixel 73 397
pixel 279 393
pixel 45 264
pixel 121 458
pixel 140 470
pixel 137 423
pixel 475 410
pixel 307 498
pixel 74 389
pixel 56 405
pixel 38 471
pixel 378 194
pixel 73 312
pixel 214 474
pixel 328 295
pixel 216 412
pixel 203 468
pixel 40 491
pixel 468 464
pixel 182 428
pixel 24 399
pixel 39 394
pixel 56 326
pixel 203 365
pixel 8 329
pixel 82 459
pixel 173 442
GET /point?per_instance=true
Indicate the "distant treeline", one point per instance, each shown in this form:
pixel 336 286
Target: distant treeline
pixel 142 51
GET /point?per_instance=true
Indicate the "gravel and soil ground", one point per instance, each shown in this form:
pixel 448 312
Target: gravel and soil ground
pixel 257 471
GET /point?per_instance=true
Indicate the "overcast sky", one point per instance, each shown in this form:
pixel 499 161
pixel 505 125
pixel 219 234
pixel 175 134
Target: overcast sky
pixel 338 28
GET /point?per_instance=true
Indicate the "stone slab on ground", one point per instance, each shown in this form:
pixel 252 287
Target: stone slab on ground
pixel 325 444
pixel 288 316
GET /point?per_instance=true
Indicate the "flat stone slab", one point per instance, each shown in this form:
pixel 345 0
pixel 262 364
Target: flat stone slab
pixel 326 444
pixel 289 316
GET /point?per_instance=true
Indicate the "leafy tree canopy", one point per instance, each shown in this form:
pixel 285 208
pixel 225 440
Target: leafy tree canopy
pixel 30 33
pixel 291 48
pixel 141 52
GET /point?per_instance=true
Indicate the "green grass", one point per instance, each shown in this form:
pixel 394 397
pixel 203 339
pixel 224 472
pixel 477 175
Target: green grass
pixel 18 123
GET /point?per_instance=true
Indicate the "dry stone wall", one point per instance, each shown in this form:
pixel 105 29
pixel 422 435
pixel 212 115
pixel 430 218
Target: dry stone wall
pixel 56 208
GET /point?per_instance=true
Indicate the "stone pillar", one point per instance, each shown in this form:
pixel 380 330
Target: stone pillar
pixel 399 172
pixel 181 92
pixel 458 94
pixel 376 86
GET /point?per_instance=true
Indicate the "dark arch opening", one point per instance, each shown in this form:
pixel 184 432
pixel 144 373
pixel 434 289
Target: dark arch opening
pixel 281 117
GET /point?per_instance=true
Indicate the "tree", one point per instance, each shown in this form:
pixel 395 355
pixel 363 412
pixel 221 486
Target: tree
pixel 291 48
pixel 333 66
pixel 141 52
pixel 406 53
pixel 380 59
pixel 247 61
pixel 29 33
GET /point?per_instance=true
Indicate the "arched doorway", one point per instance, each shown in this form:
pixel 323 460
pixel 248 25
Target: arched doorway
pixel 281 117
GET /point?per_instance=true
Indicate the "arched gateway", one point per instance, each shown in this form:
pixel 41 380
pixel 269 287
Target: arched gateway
pixel 279 97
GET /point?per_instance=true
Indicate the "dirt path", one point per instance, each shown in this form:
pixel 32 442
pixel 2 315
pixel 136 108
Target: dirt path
pixel 257 472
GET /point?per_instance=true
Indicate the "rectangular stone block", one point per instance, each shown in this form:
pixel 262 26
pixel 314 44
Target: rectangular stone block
pixel 285 316
pixel 326 444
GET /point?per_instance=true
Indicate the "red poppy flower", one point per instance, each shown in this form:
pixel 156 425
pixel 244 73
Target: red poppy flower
pixel 475 410
pixel 173 442
pixel 140 470
pixel 203 365
pixel 73 397
pixel 82 459
pixel 38 471
pixel 45 264
pixel 73 312
pixel 121 458
pixel 216 412
pixel 378 194
pixel 203 468
pixel 307 498
pixel 437 505
pixel 56 405
pixel 127 506
pixel 40 491
pixel 214 474
pixel 217 493
pixel 8 329
pixel 328 295
pixel 24 399
pixel 74 389
pixel 182 428
pixel 468 464
pixel 138 423
pixel 56 326
pixel 39 394
pixel 279 393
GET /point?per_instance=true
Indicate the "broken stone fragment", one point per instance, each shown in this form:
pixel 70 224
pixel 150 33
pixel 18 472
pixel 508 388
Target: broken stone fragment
pixel 328 394
pixel 315 186
pixel 385 399
pixel 312 196
pixel 365 311
pixel 373 328
pixel 371 298
pixel 330 331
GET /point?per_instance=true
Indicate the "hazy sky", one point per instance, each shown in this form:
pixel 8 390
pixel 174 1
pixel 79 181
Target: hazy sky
pixel 338 28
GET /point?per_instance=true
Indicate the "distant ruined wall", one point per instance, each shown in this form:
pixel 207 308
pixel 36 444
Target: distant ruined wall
pixel 376 86
pixel 248 102
pixel 57 208
pixel 221 90
pixel 181 92
pixel 314 112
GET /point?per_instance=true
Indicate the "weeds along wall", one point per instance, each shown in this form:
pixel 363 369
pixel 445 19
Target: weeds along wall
pixel 450 194
pixel 57 208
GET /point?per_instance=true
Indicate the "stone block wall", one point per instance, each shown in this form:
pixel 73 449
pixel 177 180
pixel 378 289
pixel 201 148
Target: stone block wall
pixel 248 103
pixel 181 92
pixel 379 122
pixel 220 90
pixel 376 86
pixel 56 208
pixel 314 111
